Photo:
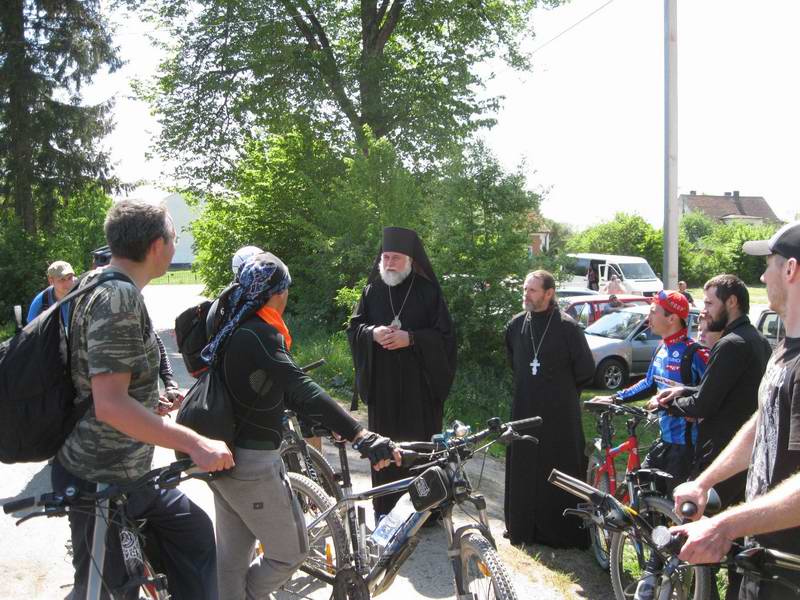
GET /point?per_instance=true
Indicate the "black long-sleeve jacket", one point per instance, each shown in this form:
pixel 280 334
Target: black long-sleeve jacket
pixel 727 395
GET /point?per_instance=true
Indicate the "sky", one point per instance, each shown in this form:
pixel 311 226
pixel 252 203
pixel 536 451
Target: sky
pixel 586 124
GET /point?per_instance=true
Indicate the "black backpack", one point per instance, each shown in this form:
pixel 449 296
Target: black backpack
pixel 687 375
pixel 195 327
pixel 37 398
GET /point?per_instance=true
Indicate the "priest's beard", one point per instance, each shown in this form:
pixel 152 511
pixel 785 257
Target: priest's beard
pixel 393 278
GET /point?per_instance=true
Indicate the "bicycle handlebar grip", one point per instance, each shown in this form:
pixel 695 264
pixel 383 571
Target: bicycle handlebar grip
pixel 528 423
pixel 409 457
pixel 15 505
pixel 688 509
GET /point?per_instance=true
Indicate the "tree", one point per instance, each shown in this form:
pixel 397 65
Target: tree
pixel 402 70
pixel 48 140
pixel 625 234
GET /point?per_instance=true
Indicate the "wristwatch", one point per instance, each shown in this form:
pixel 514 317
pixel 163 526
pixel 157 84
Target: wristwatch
pixel 410 338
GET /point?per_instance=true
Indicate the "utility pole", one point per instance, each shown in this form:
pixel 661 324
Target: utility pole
pixel 670 274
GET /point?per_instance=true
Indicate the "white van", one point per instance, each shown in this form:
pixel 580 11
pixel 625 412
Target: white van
pixel 634 273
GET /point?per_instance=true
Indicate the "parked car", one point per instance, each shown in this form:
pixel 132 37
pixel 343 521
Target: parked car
pixel 587 309
pixel 623 345
pixel 568 292
pixel 770 325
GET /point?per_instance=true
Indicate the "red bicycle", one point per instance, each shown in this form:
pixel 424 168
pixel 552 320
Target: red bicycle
pixel 602 472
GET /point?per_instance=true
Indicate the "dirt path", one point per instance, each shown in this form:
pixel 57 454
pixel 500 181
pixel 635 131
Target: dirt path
pixel 34 564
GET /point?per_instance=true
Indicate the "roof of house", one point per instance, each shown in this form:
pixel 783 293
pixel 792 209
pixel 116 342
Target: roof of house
pixel 718 207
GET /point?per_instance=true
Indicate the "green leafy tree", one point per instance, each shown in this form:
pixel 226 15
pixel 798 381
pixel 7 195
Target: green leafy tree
pixel 48 138
pixel 403 70
pixel 478 240
pixel 625 234
pixel 721 251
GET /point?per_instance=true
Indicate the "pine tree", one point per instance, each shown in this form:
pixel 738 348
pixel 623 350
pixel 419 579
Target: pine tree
pixel 49 140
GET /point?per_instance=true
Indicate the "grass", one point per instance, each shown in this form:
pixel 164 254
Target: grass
pixel 758 294
pixel 182 277
pixel 6 330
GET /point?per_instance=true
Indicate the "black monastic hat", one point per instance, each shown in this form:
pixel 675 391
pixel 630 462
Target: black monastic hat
pixel 405 241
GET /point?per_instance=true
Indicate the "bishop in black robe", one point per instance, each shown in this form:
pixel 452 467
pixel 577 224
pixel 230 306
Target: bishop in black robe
pixel 404 388
pixel 534 507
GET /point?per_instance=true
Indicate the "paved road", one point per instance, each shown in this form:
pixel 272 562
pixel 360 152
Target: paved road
pixel 34 563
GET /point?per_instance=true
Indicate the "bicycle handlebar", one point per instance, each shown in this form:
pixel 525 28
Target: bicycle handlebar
pixel 617 409
pixel 165 477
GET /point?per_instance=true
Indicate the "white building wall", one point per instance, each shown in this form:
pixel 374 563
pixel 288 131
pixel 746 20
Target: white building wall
pixel 182 215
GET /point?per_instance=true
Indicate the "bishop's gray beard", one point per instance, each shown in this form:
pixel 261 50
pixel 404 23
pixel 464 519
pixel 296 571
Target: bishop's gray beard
pixel 393 278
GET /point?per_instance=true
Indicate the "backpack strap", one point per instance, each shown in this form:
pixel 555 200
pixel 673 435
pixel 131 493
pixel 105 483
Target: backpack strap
pixel 687 374
pixel 47 300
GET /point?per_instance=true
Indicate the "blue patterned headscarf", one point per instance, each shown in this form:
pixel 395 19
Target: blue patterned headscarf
pixel 259 278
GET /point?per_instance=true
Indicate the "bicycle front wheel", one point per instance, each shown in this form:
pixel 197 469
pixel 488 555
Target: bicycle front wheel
pixel 482 575
pixel 600 537
pixel 327 540
pixel 319 470
pixel 628 565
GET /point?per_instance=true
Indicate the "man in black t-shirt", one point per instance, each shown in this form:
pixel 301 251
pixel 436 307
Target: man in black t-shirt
pixel 768 445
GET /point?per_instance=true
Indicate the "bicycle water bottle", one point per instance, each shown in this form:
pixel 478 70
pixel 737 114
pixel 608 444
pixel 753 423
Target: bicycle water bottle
pixel 646 588
pixel 393 521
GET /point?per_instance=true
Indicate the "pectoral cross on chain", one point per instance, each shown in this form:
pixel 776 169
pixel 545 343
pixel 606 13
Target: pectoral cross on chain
pixel 535 364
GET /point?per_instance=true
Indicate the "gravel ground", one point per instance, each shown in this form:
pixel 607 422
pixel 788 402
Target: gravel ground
pixel 34 562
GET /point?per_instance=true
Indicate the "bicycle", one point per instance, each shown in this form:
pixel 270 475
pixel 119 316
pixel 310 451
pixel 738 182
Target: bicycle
pixel 108 505
pixel 633 550
pixel 366 564
pixel 301 457
pixel 756 562
pixel 601 471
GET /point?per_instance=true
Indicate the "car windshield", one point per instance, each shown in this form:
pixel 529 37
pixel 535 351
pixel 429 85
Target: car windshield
pixel 616 325
pixel 637 271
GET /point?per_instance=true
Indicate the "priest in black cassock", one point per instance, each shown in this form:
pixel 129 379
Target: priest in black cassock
pixel 404 348
pixel 551 362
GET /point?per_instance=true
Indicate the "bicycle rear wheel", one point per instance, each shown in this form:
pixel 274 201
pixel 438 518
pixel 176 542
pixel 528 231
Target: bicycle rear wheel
pixel 319 470
pixel 600 538
pixel 327 540
pixel 481 572
pixel 693 583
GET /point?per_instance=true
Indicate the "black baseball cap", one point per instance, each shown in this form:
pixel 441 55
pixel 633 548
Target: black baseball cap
pixel 785 242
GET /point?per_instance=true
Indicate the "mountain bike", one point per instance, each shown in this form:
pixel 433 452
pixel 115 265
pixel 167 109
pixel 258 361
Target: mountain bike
pixel 359 564
pixel 301 457
pixel 633 553
pixel 108 506
pixel 602 472
pixel 755 562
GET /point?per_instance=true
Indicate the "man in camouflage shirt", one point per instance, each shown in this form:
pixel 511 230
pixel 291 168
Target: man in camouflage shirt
pixel 115 361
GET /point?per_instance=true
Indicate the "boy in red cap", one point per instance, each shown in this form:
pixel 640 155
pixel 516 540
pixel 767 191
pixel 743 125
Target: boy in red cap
pixel 679 361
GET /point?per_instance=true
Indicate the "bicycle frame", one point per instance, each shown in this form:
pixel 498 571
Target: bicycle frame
pixel 629 446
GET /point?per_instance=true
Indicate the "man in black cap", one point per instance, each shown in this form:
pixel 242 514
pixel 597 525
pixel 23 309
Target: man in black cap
pixel 767 446
pixel 404 348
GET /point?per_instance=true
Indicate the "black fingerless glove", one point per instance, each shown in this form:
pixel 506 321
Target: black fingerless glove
pixel 374 447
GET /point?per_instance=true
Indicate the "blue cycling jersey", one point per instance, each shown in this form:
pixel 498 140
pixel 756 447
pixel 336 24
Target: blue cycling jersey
pixel 665 372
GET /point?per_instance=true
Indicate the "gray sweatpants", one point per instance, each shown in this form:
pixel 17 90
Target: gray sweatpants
pixel 255 502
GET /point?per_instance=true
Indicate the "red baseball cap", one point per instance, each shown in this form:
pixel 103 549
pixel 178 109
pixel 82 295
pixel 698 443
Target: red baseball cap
pixel 673 302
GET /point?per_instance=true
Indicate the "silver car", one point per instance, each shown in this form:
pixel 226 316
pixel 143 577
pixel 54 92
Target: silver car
pixel 623 345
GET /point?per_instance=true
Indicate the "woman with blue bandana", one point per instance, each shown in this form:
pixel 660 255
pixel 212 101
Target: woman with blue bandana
pixel 255 501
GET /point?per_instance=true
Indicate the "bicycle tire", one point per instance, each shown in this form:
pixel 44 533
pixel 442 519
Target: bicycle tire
pixel 327 541
pixel 149 590
pixel 600 538
pixel 481 572
pixel 323 475
pixel 625 571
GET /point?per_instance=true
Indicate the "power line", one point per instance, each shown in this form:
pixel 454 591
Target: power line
pixel 553 39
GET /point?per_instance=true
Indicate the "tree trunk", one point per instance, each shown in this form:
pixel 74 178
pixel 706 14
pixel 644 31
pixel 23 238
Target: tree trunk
pixel 21 93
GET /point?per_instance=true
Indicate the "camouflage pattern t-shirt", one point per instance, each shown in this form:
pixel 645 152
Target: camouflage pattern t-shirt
pixel 110 333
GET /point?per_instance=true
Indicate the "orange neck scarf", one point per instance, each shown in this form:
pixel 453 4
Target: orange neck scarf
pixel 270 316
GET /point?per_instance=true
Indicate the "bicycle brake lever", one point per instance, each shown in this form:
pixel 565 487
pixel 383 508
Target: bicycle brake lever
pixel 529 438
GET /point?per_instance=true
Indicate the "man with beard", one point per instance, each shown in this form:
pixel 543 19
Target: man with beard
pixel 767 446
pixel 404 348
pixel 727 394
pixel 551 361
